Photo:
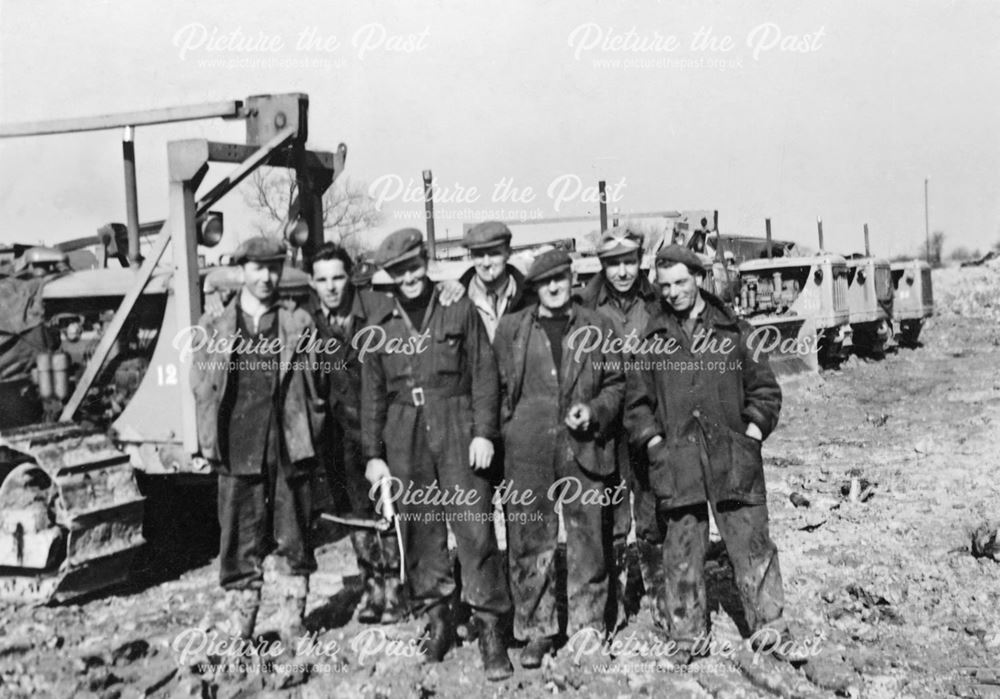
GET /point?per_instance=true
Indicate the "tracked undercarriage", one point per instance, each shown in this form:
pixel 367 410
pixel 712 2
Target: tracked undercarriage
pixel 70 513
pixel 118 378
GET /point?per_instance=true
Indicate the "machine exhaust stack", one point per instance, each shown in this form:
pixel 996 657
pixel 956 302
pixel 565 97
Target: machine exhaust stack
pixel 767 233
pixel 131 196
pixel 604 205
pixel 819 227
pixel 719 256
pixel 868 251
pixel 429 211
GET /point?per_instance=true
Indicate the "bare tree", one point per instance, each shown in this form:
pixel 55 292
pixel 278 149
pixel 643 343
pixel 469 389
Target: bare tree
pixel 348 209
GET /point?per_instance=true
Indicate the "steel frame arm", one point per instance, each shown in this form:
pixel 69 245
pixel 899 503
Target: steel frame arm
pixel 188 166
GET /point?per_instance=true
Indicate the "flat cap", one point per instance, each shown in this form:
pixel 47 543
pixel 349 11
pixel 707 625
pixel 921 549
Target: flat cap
pixel 260 249
pixel 486 235
pixel 363 273
pixel 550 263
pixel 399 246
pixel 293 282
pixel 679 254
pixel 619 241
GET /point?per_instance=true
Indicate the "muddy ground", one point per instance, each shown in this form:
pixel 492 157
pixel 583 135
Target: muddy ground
pixel 881 581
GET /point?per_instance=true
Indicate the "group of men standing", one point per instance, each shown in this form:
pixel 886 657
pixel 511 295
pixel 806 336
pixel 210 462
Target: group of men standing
pixel 498 382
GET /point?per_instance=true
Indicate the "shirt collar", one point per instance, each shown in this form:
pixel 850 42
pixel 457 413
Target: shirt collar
pixel 254 307
pixel 477 290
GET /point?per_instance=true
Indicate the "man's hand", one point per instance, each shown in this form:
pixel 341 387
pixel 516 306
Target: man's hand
pixel 653 441
pixel 578 418
pixel 480 453
pixel 214 305
pixel 200 463
pixel 753 432
pixel 450 292
pixel 376 470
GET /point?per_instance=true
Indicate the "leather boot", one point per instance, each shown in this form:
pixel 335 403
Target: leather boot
pixel 536 650
pixel 493 648
pixel 394 610
pixel 243 606
pixel 439 636
pixel 373 602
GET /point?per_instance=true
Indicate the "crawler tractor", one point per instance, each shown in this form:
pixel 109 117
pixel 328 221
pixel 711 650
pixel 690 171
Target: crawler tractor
pixel 870 298
pixel 798 307
pixel 913 299
pixel 71 514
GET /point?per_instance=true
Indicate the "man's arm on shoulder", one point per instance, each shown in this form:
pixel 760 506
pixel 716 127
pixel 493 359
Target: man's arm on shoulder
pixel 450 292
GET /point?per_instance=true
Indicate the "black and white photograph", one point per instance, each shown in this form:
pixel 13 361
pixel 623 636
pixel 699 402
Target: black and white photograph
pixel 451 349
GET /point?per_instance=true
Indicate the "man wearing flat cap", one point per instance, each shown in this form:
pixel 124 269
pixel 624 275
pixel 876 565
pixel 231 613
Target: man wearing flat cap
pixel 495 286
pixel 429 417
pixel 621 292
pixel 561 396
pixel 700 408
pixel 258 412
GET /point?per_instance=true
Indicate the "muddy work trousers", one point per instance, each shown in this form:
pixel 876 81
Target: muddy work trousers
pixel 431 464
pixel 681 600
pixel 258 516
pixel 532 531
pixel 377 554
pixel 348 491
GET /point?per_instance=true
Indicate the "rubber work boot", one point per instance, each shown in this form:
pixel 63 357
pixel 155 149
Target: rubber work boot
pixel 373 603
pixel 493 648
pixel 439 636
pixel 243 606
pixel 533 653
pixel 294 591
pixel 651 567
pixel 620 573
pixel 395 604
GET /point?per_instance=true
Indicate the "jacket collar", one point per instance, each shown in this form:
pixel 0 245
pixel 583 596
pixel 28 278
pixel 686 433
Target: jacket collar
pixel 314 307
pixel 289 331
pixel 716 315
pixel 378 306
pixel 515 274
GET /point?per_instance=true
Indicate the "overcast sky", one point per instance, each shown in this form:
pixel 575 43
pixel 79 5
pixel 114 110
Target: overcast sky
pixel 790 110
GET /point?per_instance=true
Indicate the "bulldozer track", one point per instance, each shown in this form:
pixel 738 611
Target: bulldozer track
pixel 71 513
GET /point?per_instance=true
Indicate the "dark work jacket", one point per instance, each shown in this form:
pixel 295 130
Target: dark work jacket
pixel 454 367
pixel 302 405
pixel 596 380
pixel 523 296
pixel 702 411
pixel 596 296
pixel 343 371
pixel 341 485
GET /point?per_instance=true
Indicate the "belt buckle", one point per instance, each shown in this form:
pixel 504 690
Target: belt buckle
pixel 418 396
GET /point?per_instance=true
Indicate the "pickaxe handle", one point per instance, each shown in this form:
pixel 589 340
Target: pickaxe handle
pixel 382 525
